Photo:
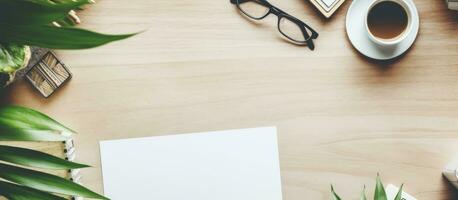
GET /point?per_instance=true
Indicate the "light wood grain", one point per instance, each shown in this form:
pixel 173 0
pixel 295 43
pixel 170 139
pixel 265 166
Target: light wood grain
pixel 200 66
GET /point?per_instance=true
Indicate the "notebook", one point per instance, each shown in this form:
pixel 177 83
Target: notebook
pixel 224 165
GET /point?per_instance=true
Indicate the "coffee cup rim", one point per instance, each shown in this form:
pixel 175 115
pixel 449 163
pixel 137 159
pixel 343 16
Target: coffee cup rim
pixel 403 35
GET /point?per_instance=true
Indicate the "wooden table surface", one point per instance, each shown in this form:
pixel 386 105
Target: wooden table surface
pixel 200 66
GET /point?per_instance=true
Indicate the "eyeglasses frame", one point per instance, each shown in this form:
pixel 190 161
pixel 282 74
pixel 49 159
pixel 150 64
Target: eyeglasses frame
pixel 282 14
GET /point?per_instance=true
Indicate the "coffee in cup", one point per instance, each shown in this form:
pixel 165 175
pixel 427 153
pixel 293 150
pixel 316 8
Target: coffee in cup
pixel 388 22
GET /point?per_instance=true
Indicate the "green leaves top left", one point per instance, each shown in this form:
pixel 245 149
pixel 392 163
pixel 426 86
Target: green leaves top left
pixel 18 183
pixel 41 23
pixel 30 22
pixel 36 12
pixel 12 58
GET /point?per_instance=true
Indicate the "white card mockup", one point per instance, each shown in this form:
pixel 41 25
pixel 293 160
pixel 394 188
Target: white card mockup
pixel 221 165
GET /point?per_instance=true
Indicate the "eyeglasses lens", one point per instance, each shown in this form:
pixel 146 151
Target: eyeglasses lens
pixel 292 30
pixel 253 8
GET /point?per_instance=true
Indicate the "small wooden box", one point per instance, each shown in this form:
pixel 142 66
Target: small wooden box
pixel 48 74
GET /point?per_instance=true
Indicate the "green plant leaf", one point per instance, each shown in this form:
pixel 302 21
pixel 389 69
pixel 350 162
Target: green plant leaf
pixel 16 117
pixel 17 192
pixel 399 195
pixel 45 182
pixel 66 22
pixel 363 194
pixel 56 37
pixel 30 135
pixel 12 57
pixel 380 193
pixel 32 158
pixel 36 11
pixel 55 4
pixel 334 195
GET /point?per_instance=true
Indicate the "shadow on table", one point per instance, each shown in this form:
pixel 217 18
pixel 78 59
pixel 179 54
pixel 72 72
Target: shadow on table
pixel 14 94
pixel 382 65
pixel 6 95
pixel 451 191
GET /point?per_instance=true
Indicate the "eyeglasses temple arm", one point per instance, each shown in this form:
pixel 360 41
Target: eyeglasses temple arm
pixel 262 2
pixel 309 41
pixel 314 33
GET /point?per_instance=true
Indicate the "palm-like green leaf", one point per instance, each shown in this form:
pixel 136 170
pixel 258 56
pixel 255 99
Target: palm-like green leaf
pixel 66 22
pixel 363 194
pixel 380 193
pixel 11 134
pixel 53 4
pixel 399 195
pixel 36 11
pixel 28 22
pixel 56 37
pixel 334 196
pixel 16 117
pixel 23 124
pixel 45 182
pixel 34 158
pixel 17 192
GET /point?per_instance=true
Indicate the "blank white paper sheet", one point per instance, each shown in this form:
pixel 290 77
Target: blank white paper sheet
pixel 222 165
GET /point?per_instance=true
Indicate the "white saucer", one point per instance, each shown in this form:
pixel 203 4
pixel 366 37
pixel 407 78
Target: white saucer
pixel 356 32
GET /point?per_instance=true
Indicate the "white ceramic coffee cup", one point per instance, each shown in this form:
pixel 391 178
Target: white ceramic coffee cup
pixel 392 42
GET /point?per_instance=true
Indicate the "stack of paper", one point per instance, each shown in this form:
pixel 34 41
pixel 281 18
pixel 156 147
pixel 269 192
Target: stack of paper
pixel 452 4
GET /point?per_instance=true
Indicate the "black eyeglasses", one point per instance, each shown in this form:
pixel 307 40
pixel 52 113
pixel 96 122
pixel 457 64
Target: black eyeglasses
pixel 292 28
